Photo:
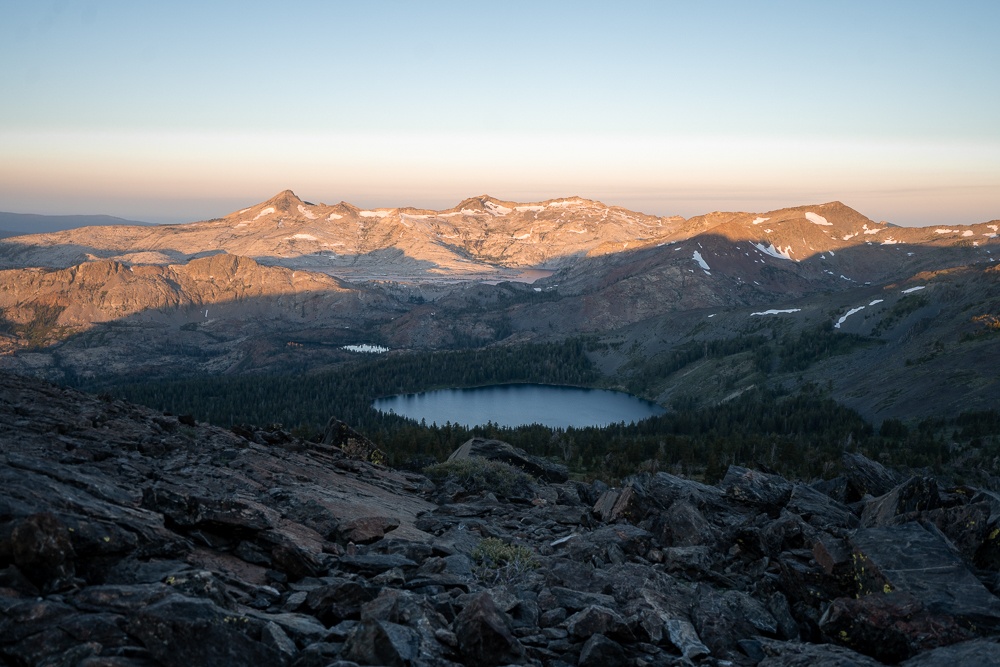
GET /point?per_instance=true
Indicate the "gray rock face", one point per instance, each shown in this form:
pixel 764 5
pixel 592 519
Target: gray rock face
pixel 497 450
pixel 130 538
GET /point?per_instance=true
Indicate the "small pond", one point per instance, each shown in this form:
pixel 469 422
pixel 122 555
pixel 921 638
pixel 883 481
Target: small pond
pixel 520 404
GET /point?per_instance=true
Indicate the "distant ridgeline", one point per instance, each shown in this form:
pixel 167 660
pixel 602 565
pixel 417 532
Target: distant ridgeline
pixel 796 434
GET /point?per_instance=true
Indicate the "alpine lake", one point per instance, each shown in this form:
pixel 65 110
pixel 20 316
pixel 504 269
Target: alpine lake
pixel 515 405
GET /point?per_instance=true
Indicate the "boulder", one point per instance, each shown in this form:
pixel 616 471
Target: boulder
pixel 917 494
pixel 497 450
pixel 185 632
pixel 595 619
pixel 866 477
pixel 911 559
pixel 376 642
pixel 890 626
pixel 599 651
pixel 484 634
pixel 769 492
pixel 368 529
pixel 819 509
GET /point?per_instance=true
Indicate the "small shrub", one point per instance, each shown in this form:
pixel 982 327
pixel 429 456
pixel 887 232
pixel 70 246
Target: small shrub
pixel 500 563
pixel 481 475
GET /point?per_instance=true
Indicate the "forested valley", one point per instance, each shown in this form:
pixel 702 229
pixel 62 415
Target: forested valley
pixel 799 433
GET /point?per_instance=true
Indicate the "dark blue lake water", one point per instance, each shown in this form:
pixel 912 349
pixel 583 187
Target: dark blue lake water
pixel 520 404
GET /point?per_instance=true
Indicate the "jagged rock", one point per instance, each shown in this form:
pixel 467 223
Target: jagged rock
pixel 595 619
pixel 683 635
pixel 917 494
pixel 610 544
pixel 834 555
pixel 484 634
pixel 404 608
pixel 339 600
pixel 722 618
pixel 497 450
pixel 599 651
pixel 354 445
pixel 890 626
pixel 321 654
pixel 967 527
pixel 910 559
pixel 866 477
pixel 228 516
pixel 296 561
pixel 664 489
pixel 383 643
pixel 272 636
pixel 184 632
pixel 756 488
pixel 301 628
pixel 683 525
pixel 819 509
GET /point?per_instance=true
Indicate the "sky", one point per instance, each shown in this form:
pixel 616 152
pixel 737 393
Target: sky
pixel 183 111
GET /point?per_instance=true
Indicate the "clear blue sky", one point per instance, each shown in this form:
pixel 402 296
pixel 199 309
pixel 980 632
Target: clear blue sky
pixel 188 110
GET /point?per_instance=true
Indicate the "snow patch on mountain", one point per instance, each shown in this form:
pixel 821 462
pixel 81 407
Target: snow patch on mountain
pixel 914 289
pixel 701 261
pixel 301 237
pixel 368 349
pixel 267 211
pixel 334 216
pixel 373 214
pixel 497 209
pixel 817 219
pixel 776 312
pixel 777 253
pixel 843 318
pixel 306 212
pixel 890 241
pixel 532 209
pixel 870 231
pixel 945 231
pixel 757 221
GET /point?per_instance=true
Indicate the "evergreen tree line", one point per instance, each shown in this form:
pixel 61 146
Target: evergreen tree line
pixel 786 354
pixel 798 434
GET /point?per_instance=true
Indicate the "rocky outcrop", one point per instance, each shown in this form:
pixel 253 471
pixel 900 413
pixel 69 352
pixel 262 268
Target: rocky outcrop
pixel 497 450
pixel 133 538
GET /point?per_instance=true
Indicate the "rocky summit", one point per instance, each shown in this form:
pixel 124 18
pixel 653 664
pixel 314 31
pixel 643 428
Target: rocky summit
pixel 129 537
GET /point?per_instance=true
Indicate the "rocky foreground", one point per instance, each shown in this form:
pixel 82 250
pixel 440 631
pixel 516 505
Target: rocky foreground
pixel 132 538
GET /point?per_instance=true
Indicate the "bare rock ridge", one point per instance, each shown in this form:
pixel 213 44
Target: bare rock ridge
pixel 290 282
pixel 136 539
pixel 479 235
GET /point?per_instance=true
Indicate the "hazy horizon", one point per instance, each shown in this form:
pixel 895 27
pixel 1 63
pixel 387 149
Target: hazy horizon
pixel 184 112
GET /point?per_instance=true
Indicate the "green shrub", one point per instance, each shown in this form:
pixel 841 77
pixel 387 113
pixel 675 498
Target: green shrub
pixel 500 563
pixel 481 475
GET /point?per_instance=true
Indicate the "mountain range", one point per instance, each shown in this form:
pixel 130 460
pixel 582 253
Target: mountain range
pixel 287 283
pixel 16 224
